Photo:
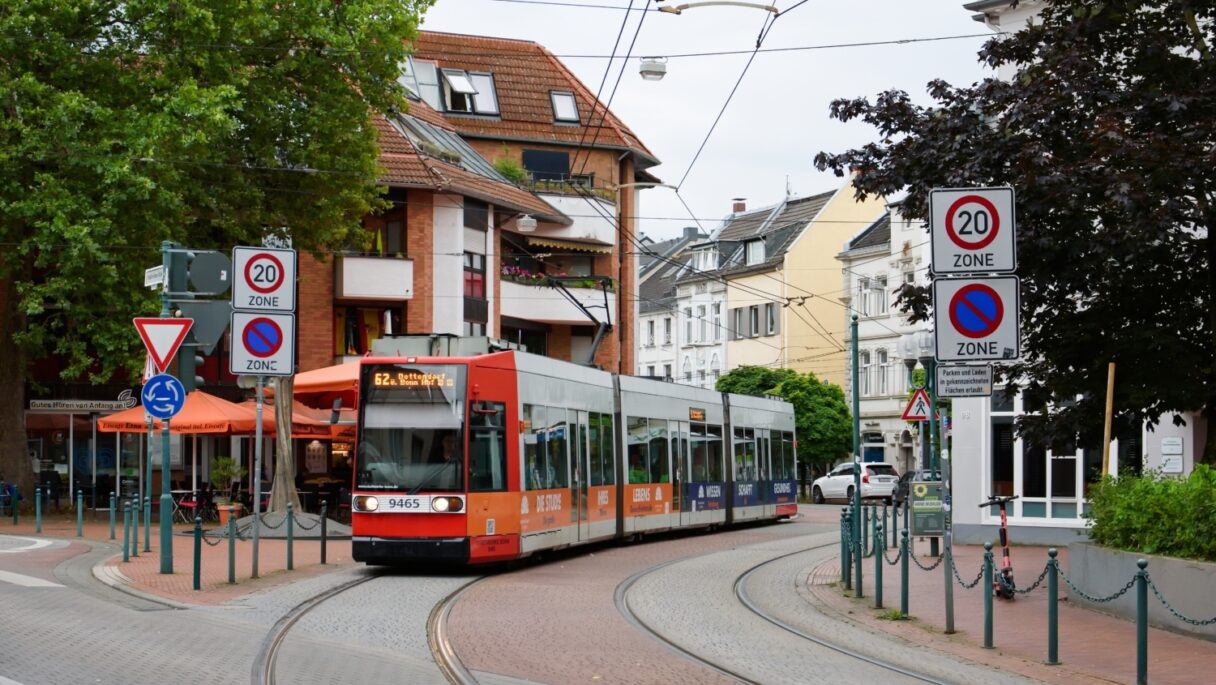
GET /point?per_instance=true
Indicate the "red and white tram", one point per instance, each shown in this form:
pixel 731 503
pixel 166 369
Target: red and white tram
pixel 493 457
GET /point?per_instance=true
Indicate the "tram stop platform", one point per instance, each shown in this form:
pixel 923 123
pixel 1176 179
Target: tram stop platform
pixel 1094 647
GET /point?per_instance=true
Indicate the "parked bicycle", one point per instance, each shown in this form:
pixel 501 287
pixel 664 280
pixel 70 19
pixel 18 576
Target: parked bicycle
pixel 1002 583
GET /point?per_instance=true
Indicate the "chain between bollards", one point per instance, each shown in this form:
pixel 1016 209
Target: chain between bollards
pixel 198 551
pixel 1142 622
pixel 324 514
pixel 80 513
pixel 987 595
pixel 290 522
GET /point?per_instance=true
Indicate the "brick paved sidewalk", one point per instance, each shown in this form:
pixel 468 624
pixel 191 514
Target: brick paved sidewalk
pixel 141 575
pixel 1094 647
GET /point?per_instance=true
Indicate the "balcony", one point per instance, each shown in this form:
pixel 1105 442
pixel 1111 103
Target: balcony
pixel 594 218
pixel 382 279
pixel 545 304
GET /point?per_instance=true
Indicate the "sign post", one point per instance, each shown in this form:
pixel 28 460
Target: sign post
pixel 263 337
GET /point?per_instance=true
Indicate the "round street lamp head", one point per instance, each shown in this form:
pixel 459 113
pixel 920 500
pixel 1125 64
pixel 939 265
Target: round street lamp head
pixel 925 344
pixel 526 223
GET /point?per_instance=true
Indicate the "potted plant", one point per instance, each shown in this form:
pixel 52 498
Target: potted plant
pixel 225 471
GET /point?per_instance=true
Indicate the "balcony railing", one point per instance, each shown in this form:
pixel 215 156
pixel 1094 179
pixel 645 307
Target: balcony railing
pixel 384 279
pixel 549 305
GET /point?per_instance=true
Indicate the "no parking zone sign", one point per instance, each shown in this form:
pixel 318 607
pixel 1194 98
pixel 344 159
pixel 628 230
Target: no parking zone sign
pixel 263 344
pixel 974 230
pixel 976 319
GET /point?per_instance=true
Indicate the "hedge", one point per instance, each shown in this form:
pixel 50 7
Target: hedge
pixel 1156 514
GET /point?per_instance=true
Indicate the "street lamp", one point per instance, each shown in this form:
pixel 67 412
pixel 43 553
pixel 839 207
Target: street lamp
pixel 677 9
pixel 653 68
pixel 526 223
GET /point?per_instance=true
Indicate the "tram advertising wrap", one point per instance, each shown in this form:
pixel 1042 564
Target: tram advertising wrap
pixel 493 457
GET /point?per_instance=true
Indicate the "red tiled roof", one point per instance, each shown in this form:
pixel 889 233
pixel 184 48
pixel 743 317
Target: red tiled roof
pixel 404 166
pixel 524 74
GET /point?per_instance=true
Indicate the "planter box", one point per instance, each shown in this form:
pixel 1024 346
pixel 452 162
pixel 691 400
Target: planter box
pixel 1189 586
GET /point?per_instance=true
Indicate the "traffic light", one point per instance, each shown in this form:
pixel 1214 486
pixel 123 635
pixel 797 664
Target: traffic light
pixel 189 362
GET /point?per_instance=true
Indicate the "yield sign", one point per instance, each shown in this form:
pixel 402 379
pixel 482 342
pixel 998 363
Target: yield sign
pixel 918 406
pixel 162 337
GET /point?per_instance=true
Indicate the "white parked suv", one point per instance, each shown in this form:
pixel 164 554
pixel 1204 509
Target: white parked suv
pixel 877 482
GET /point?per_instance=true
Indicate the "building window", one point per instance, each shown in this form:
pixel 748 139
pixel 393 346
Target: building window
pixel 715 368
pixel 485 101
pixel 687 325
pixel 546 165
pixel 687 370
pixel 458 90
pixel 717 310
pixel 878 291
pixel 474 275
pixel 476 214
pixel 564 106
pixel 474 329
pixel 421 79
pixel 701 377
pixel 667 331
pixel 650 370
pixel 862 300
pixel 770 319
pixel 884 372
pixel 650 337
pixel 753 313
pixel 755 252
pixel 738 331
pixel 667 371
pixel 866 368
pixel 702 324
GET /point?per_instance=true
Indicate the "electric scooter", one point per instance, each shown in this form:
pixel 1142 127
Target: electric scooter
pixel 1002 585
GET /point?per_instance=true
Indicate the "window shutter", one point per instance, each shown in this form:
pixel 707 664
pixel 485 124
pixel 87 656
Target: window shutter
pixel 777 319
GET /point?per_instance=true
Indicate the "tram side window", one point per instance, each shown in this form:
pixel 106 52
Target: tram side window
pixel 639 449
pixel 713 446
pixel 602 472
pixel 745 454
pixel 533 447
pixel 488 447
pixel 700 453
pixel 660 465
pixel 789 466
pixel 558 461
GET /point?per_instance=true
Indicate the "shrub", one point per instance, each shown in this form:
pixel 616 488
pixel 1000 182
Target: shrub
pixel 1156 514
pixel 511 169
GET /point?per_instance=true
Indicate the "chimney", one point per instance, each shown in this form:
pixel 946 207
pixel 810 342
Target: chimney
pixel 691 233
pixel 740 205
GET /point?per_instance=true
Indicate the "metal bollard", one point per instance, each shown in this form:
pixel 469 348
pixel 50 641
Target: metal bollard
pixel 112 513
pixel 903 572
pixel 13 499
pixel 848 549
pixel 126 531
pixel 38 511
pixel 1142 622
pixel 198 550
pixel 878 562
pixel 1053 611
pixel 80 513
pixel 147 523
pixel 290 541
pixel 324 509
pixel 135 529
pixel 988 595
pixel 865 529
pixel 883 526
pixel 231 549
pixel 844 546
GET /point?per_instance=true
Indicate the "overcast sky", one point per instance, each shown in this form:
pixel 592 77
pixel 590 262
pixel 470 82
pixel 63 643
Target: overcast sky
pixel 777 120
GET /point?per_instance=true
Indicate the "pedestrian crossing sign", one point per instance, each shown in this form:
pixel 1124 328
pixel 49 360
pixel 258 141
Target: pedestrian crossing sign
pixel 918 406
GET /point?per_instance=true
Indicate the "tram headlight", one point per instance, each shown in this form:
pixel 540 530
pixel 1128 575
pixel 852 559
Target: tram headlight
pixel 447 504
pixel 366 503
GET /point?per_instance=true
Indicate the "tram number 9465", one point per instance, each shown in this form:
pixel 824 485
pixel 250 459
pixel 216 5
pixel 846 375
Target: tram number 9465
pixel 405 504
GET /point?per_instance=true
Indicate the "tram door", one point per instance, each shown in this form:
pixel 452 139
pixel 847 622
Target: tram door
pixel 764 471
pixel 582 471
pixel 680 472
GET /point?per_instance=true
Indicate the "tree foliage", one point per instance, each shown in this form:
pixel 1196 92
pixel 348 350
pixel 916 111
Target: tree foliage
pixel 205 122
pixel 823 426
pixel 1106 131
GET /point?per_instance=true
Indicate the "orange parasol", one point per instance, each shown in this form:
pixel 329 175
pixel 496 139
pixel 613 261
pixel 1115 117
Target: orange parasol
pixel 306 422
pixel 201 413
pixel 322 386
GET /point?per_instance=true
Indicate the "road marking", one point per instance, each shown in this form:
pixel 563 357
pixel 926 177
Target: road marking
pixel 6 681
pixel 35 543
pixel 26 581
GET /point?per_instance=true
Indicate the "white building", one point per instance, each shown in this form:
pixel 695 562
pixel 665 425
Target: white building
pixel 876 262
pixel 659 328
pixel 704 329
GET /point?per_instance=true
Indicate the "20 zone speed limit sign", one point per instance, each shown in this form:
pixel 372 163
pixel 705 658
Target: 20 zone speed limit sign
pixel 973 230
pixel 264 279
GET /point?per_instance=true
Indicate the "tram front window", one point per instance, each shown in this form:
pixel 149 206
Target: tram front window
pixel 411 436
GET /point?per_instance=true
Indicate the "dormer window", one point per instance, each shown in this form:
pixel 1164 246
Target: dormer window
pixel 755 252
pixel 486 99
pixel 564 107
pixel 458 90
pixel 421 80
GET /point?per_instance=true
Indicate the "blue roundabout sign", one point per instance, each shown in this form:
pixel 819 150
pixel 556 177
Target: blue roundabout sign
pixel 163 396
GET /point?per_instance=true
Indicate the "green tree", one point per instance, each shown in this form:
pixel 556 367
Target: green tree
pixel 207 122
pixel 823 425
pixel 1105 130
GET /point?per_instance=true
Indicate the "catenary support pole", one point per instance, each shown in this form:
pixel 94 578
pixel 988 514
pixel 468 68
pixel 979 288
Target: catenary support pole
pixel 857 533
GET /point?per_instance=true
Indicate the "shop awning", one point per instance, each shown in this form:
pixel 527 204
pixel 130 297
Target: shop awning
pixel 558 244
